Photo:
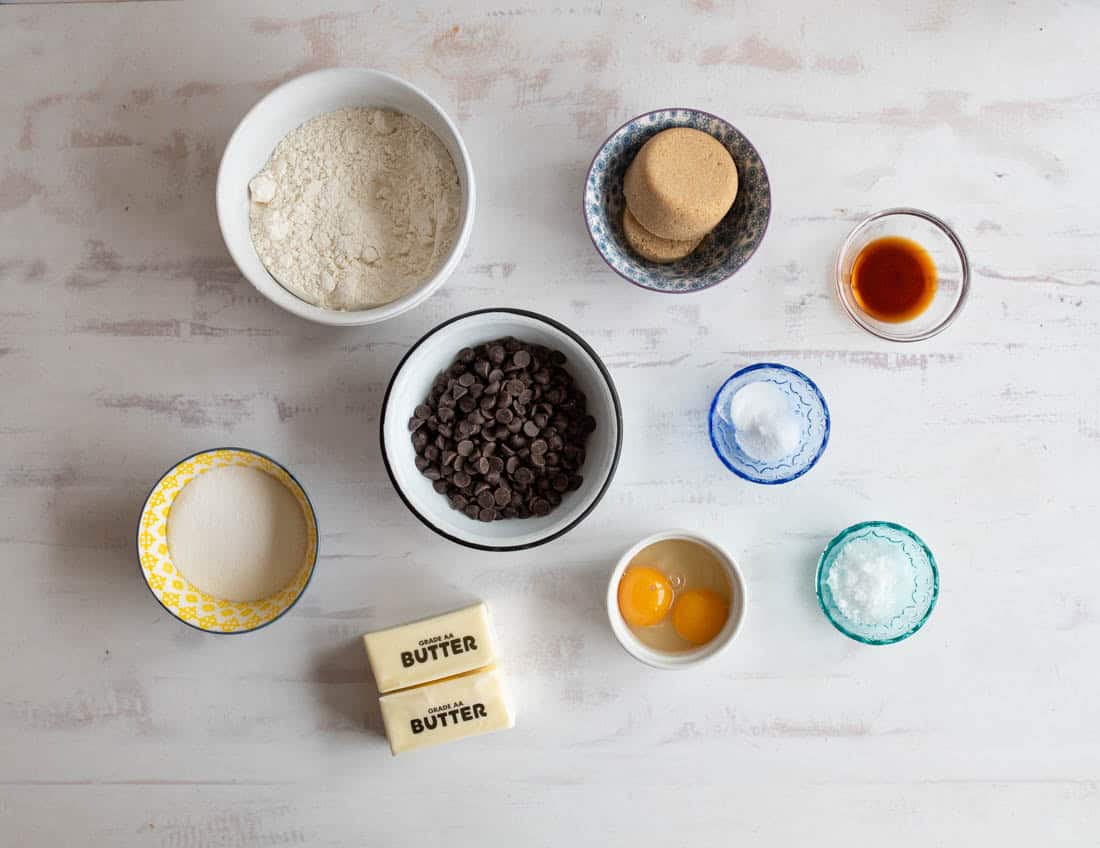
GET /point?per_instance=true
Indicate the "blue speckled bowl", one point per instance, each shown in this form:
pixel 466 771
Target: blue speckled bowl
pixel 723 251
pixel 807 401
pixel 926 584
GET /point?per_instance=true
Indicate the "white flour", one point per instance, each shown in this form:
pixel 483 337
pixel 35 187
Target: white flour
pixel 355 208
pixel 237 533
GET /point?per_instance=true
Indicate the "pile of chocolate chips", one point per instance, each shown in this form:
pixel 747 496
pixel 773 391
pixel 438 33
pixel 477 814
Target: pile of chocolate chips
pixel 503 432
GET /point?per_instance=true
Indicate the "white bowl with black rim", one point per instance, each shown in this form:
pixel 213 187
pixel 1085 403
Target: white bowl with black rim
pixel 411 384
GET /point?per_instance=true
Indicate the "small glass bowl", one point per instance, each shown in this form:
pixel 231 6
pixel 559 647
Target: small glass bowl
pixel 926 584
pixel 952 269
pixel 807 401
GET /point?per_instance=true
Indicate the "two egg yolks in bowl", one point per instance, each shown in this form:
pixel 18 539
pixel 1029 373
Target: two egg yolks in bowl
pixel 675 595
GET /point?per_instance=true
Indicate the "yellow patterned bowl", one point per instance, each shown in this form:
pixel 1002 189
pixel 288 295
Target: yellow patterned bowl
pixel 173 591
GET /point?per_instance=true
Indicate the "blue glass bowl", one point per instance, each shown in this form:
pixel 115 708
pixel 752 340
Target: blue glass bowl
pixel 920 602
pixel 723 251
pixel 808 402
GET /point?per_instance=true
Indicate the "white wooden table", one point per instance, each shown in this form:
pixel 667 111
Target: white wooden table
pixel 128 340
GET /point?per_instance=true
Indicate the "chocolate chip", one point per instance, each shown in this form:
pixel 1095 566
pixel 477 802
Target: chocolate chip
pixel 520 423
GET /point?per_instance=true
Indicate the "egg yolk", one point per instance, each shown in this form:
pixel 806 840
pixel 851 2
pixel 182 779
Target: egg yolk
pixel 644 596
pixel 699 615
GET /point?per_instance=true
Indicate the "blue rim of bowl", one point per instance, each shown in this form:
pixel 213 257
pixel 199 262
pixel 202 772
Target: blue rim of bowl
pixel 312 567
pixel 591 165
pixel 775 366
pixel 587 348
pixel 842 537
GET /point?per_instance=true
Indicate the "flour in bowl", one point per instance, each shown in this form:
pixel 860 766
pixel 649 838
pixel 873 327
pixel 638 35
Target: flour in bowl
pixel 355 208
pixel 237 533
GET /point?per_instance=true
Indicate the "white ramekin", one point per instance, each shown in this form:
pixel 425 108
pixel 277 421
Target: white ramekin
pixel 681 659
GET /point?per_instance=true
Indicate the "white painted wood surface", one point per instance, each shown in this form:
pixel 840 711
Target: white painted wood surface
pixel 128 339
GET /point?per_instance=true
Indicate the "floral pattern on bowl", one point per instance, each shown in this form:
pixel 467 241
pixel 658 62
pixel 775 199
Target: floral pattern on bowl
pixel 723 251
pixel 174 592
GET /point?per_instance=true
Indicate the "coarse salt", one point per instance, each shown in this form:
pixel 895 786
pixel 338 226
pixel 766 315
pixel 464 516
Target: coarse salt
pixel 765 424
pixel 871 581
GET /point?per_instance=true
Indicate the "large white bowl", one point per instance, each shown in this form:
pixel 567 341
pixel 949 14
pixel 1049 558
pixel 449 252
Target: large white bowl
pixel 411 383
pixel 288 107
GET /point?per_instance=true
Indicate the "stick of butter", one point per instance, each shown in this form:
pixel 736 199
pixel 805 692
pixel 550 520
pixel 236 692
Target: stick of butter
pixel 467 705
pixel 431 648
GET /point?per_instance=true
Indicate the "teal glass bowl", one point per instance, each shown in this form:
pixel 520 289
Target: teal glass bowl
pixel 916 604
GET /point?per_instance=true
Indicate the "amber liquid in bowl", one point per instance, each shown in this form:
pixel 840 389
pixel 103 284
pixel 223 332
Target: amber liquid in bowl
pixel 893 279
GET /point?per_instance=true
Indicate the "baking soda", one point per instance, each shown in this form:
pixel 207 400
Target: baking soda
pixel 237 533
pixel 765 424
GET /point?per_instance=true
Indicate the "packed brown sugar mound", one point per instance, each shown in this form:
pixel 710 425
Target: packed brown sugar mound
pixel 680 185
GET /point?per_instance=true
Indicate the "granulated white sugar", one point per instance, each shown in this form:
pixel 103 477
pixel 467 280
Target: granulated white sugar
pixel 237 533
